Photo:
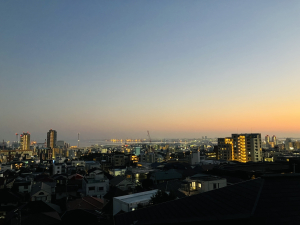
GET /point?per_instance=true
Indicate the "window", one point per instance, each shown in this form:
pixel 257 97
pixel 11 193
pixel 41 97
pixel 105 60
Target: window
pixel 101 188
pixel 25 186
pixel 91 188
pixel 215 186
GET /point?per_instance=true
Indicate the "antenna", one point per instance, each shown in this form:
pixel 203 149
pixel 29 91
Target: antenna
pixel 78 141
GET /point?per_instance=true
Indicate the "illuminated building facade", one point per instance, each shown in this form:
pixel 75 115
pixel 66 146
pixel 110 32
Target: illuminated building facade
pixel 274 139
pixel 240 147
pixel 51 138
pixel 25 141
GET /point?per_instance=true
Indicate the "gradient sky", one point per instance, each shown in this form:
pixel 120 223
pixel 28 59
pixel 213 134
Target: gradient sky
pixel 115 69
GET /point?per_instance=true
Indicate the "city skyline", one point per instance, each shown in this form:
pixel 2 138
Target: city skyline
pixel 178 69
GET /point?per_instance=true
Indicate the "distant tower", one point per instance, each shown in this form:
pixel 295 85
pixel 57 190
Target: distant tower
pixel 25 141
pixel 78 141
pixel 51 138
pixel 274 140
pixel 267 139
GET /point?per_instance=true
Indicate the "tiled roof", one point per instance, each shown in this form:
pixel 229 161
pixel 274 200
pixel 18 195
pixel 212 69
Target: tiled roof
pixel 89 203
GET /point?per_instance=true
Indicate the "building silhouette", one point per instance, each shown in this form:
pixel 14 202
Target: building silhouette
pixel 51 138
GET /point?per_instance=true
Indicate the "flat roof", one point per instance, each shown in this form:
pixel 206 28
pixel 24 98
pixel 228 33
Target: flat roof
pixel 138 197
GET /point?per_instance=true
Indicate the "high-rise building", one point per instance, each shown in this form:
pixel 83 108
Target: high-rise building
pixel 51 138
pixel 240 147
pixel 267 139
pixel 288 144
pixel 274 139
pixel 25 141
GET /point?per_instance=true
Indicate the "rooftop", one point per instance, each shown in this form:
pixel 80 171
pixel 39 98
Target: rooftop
pixel 142 196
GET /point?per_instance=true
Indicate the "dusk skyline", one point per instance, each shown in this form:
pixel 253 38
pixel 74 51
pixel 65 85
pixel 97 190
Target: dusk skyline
pixel 180 69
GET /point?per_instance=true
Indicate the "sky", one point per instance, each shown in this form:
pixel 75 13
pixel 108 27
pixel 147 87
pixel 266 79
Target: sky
pixel 180 69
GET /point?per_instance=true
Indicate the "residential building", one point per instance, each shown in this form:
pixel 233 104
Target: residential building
pixel 240 147
pixel 122 183
pixel 23 185
pixel 42 191
pixel 95 184
pixel 162 176
pixel 25 141
pixel 59 168
pixel 201 183
pixel 51 139
pixel 274 139
pixel 129 203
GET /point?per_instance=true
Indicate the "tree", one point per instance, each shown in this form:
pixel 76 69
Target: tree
pixel 161 196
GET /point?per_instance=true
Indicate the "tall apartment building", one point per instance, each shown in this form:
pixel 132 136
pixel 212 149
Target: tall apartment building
pixel 240 147
pixel 51 138
pixel 25 141
pixel 274 139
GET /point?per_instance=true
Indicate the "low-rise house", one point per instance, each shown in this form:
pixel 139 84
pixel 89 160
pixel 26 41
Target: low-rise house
pixel 42 191
pixel 59 168
pixel 129 203
pixel 87 203
pixel 162 176
pixel 78 163
pixel 22 185
pixel 95 184
pixel 117 172
pixel 92 164
pixel 122 183
pixel 202 183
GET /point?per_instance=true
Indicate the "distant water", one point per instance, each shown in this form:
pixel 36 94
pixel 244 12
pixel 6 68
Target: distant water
pixel 89 143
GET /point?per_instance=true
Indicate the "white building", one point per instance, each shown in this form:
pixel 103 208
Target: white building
pixel 129 203
pixel 95 185
pixel 59 168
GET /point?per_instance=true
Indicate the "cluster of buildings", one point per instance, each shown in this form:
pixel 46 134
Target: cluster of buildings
pixel 116 184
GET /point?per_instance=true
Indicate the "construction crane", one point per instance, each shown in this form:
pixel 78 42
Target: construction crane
pixel 150 149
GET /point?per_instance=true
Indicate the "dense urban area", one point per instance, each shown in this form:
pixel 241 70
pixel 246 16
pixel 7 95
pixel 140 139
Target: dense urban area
pixel 240 178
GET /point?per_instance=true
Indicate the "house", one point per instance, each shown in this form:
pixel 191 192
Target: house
pixel 22 185
pixel 129 203
pixel 59 168
pixel 122 183
pixel 95 184
pixel 117 171
pixel 162 176
pixel 42 191
pixel 201 183
pixel 87 203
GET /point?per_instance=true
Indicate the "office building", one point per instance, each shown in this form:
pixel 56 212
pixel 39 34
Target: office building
pixel 25 141
pixel 51 138
pixel 240 147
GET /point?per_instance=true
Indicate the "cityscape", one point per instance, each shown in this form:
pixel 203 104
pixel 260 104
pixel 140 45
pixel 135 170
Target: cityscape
pixel 149 112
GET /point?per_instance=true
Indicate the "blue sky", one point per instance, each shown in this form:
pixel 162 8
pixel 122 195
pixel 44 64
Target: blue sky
pixel 177 68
